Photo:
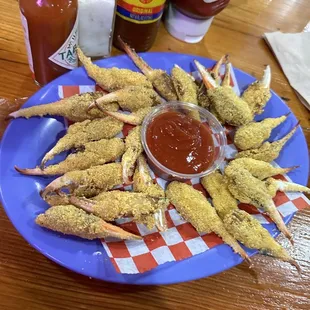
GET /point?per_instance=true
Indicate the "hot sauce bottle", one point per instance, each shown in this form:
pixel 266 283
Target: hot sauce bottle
pixel 137 22
pixel 51 37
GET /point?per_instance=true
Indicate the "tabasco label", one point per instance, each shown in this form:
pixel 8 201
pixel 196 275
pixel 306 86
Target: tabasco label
pixel 140 11
pixel 66 56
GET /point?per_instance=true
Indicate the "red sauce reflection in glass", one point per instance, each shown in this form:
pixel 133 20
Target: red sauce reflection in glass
pixel 180 143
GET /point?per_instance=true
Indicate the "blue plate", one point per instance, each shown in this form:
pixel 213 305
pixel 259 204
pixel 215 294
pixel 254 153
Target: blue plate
pixel 26 141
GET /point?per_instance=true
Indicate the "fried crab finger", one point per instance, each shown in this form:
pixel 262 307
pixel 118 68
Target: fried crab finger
pixel 74 108
pixel 222 199
pixel 143 183
pixel 241 225
pixel 202 92
pixel 248 189
pixel 283 186
pixel 117 204
pixel 184 85
pixel 112 79
pixel 228 107
pixel 70 220
pixel 89 182
pixel 92 154
pixel 246 229
pixel 269 151
pixel 258 168
pixel 258 93
pixel 134 118
pixel 80 133
pixel 131 98
pixel 160 80
pixel 253 135
pixel 196 209
pixel 203 95
pixel 133 151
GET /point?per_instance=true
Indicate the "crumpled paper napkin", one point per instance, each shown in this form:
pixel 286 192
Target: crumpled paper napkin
pixel 292 51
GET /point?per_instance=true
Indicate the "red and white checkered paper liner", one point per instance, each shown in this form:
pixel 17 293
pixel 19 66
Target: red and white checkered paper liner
pixel 181 240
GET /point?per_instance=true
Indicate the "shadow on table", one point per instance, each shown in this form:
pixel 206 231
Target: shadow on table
pixel 141 294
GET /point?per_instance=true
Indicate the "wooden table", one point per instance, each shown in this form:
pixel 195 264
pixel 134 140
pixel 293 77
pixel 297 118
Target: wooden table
pixel 28 280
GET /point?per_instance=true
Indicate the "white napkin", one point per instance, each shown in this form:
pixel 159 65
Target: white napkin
pixel 293 53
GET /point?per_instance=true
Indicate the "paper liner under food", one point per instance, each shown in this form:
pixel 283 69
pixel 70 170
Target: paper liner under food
pixel 181 240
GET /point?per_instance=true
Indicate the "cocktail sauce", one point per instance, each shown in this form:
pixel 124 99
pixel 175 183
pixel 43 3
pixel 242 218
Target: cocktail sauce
pixel 180 143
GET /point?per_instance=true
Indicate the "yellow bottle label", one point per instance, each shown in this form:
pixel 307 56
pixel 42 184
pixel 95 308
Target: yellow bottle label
pixel 140 11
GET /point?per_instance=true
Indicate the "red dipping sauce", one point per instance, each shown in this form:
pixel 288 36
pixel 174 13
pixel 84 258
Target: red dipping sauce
pixel 180 143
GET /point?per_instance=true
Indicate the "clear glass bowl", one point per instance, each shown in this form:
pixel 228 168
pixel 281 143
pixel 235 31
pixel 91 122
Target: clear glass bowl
pixel 217 131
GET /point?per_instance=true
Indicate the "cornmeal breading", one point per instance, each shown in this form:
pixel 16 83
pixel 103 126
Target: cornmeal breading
pixel 196 209
pixel 70 220
pixel 253 135
pixel 93 154
pixel 80 133
pixel 112 79
pixel 268 151
pixel 89 182
pixel 74 108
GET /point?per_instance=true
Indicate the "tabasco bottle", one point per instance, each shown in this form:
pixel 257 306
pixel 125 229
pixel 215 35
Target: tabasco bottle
pixel 51 37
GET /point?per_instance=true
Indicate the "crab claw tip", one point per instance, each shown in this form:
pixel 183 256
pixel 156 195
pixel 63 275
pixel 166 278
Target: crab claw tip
pixel 11 116
pixel 21 170
pixel 91 106
pixel 266 80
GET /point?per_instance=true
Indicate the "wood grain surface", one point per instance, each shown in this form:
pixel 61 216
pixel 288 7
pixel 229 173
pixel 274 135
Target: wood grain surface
pixel 28 280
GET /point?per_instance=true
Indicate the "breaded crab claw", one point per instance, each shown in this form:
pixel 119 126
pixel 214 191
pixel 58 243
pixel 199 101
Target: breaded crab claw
pixel 143 183
pixel 259 168
pixel 248 189
pixel 160 79
pixel 283 186
pixel 82 132
pixel 184 85
pixel 112 79
pixel 70 220
pixel 133 150
pixel 253 135
pixel 134 118
pixel 241 225
pixel 268 151
pixel 117 204
pixel 222 199
pixel 131 98
pixel 228 107
pixel 202 95
pixel 89 182
pixel 90 154
pixel 74 108
pixel 246 229
pixel 196 209
pixel 258 93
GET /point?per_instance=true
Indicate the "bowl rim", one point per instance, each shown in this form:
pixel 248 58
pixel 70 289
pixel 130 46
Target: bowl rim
pixel 191 106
